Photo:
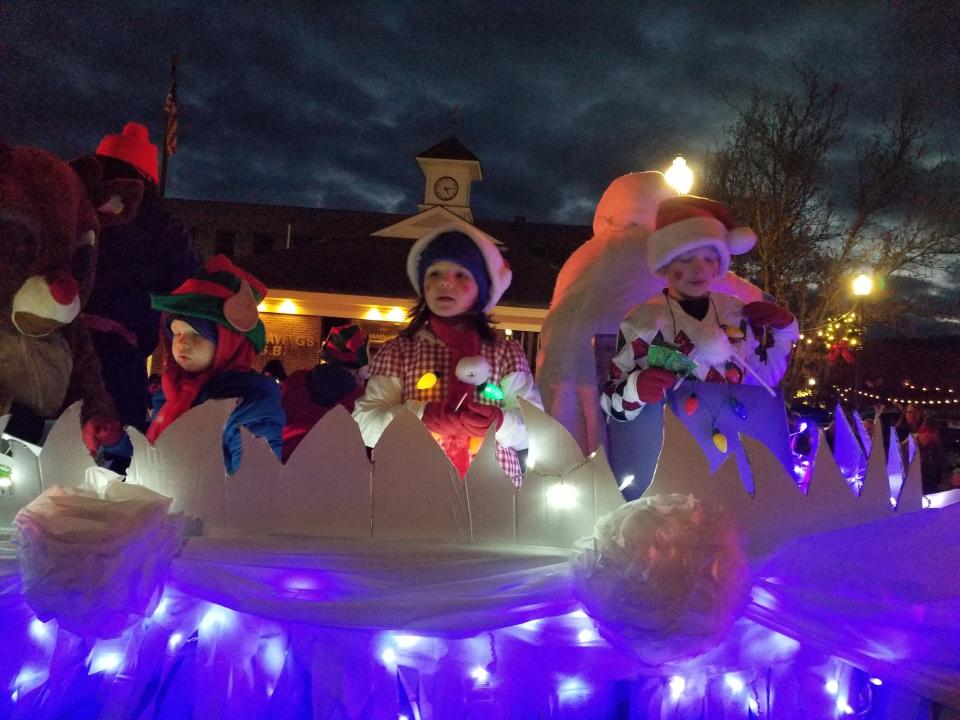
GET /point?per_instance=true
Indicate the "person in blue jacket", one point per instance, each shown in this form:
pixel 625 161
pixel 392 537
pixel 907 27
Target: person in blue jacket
pixel 212 332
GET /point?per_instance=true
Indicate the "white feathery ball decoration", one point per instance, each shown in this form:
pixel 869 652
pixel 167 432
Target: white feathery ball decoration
pixel 473 370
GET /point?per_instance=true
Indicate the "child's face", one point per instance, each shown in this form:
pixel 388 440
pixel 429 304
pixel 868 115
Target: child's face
pixel 191 350
pixel 690 275
pixel 449 289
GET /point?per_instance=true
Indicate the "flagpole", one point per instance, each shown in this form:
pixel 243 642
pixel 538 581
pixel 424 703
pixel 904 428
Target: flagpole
pixel 169 113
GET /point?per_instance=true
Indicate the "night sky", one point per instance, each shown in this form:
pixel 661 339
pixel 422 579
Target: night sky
pixel 326 104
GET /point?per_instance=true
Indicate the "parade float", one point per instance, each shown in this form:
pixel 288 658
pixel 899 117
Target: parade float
pixel 342 586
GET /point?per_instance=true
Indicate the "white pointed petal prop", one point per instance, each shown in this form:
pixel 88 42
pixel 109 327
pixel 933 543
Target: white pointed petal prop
pixel 606 493
pixel 862 433
pixel 417 493
pixel 4 419
pixel 24 482
pixel 330 476
pixel 847 452
pixel 552 450
pixel 560 498
pixel 896 475
pixel 683 467
pixel 186 463
pixel 490 496
pixel 324 489
pixel 64 459
pixel 254 492
pixel 912 497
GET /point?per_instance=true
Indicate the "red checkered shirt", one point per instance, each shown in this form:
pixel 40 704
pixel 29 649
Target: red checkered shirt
pixel 409 359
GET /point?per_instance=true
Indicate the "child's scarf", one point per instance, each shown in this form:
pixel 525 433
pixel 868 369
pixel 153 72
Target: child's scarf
pixel 234 353
pixel 462 339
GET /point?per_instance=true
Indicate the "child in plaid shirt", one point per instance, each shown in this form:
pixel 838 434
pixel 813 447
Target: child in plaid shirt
pixel 459 275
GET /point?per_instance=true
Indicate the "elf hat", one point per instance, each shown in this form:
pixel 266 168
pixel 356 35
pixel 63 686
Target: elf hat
pixel 689 222
pixel 346 345
pixel 133 146
pixel 452 245
pixel 222 293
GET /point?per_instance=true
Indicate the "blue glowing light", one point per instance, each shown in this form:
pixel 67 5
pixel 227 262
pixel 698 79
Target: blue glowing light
pixel 174 642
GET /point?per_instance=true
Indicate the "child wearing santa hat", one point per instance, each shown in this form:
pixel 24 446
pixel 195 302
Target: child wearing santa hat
pixel 726 340
pixel 459 274
pixel 212 332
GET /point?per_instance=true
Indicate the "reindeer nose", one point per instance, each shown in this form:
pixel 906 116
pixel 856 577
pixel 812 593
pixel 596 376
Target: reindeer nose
pixel 63 288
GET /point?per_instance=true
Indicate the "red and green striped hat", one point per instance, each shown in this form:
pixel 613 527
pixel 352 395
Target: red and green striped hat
pixel 222 293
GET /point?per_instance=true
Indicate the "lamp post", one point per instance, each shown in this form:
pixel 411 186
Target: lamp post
pixel 679 176
pixel 861 286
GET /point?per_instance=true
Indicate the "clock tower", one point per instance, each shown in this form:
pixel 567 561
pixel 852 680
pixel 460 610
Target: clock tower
pixel 449 168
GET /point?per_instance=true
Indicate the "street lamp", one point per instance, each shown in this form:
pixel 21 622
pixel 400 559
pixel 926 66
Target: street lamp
pixel 861 286
pixel 679 176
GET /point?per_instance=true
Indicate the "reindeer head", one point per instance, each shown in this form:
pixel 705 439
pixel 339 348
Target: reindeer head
pixel 50 218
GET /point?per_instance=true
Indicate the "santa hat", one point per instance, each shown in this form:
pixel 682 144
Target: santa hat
pixel 689 222
pixel 222 293
pixel 469 247
pixel 132 146
pixel 346 345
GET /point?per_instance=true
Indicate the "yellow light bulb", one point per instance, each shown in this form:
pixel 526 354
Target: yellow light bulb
pixel 427 381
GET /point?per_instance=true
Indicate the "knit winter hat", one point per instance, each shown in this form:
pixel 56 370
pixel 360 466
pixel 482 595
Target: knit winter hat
pixel 469 247
pixel 133 146
pixel 205 328
pixel 689 222
pixel 223 293
pixel 346 345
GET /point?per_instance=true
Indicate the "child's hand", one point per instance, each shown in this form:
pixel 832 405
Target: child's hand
pixel 100 430
pixel 439 419
pixel 763 314
pixel 476 418
pixel 653 383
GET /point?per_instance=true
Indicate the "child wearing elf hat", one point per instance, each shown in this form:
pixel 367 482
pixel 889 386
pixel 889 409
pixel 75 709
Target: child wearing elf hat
pixel 459 274
pixel 212 331
pixel 337 379
pixel 728 341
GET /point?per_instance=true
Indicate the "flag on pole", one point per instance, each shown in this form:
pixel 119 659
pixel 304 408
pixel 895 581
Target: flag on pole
pixel 170 110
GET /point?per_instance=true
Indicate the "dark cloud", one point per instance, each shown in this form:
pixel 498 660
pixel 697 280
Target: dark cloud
pixel 325 104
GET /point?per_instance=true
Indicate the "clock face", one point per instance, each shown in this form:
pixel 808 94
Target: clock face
pixel 446 188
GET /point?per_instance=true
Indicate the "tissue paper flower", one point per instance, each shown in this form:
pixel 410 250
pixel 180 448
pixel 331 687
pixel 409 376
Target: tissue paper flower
pixel 666 574
pixel 96 564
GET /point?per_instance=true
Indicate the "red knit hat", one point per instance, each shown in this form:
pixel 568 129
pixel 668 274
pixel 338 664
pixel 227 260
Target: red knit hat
pixel 689 222
pixel 133 146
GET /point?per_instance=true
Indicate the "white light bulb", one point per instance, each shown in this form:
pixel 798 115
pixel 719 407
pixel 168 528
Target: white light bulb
pixel 587 635
pixel 734 683
pixel 562 496
pixel 832 687
pixel 627 481
pixel 480 674
pixel 677 686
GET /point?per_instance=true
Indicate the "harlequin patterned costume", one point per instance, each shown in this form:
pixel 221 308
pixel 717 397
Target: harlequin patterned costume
pixel 663 321
pixel 401 362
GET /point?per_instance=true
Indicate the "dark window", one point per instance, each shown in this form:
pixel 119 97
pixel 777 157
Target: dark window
pixel 262 243
pixel 302 241
pixel 226 241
